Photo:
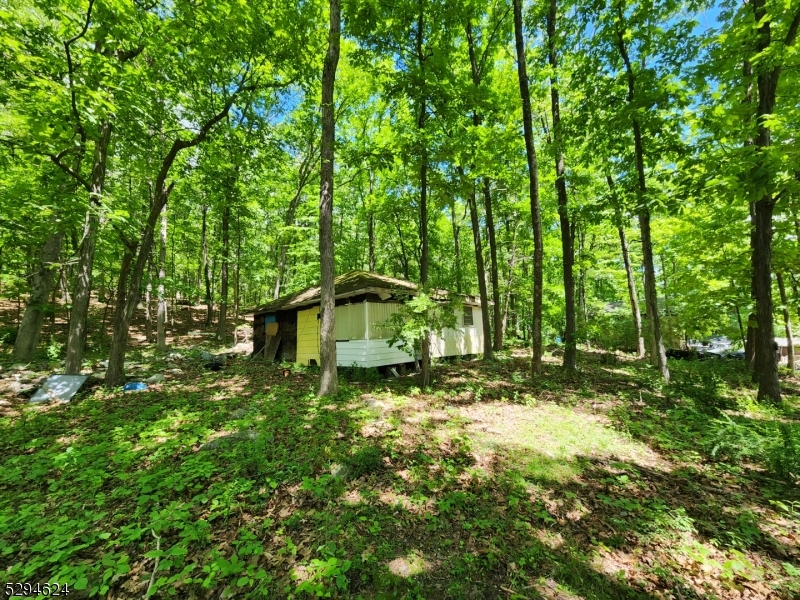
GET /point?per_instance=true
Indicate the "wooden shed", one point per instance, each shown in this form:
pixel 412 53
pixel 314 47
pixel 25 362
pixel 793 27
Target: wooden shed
pixel 287 329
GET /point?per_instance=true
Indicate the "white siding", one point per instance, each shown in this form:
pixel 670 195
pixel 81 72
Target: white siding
pixel 460 341
pixel 369 353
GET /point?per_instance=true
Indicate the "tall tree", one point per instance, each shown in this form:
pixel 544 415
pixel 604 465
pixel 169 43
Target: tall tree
pixel 533 190
pixel 650 288
pixel 161 315
pixel 42 284
pixel 567 237
pixel 768 74
pixel 329 379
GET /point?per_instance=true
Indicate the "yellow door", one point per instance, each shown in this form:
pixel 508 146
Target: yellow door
pixel 308 336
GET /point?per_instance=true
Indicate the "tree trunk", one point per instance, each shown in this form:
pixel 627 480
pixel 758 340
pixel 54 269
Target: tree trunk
pixel 237 280
pixel 650 290
pixel 63 284
pixel 667 312
pixel 116 361
pixel 371 236
pixel 457 246
pixel 626 259
pixel 162 275
pixel 476 238
pixel 223 293
pixel 632 295
pixel 508 302
pixel 423 188
pixel 329 379
pixel 533 180
pixel 83 282
pixel 497 343
pixel 129 295
pixel 766 369
pixel 423 168
pixel 567 246
pixel 787 321
pixel 148 309
pixel 42 284
pixel 206 275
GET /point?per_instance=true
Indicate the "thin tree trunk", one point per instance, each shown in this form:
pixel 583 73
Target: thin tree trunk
pixel 476 238
pixel 567 246
pixel 533 177
pixel 497 342
pixel 423 169
pixel 371 236
pixel 206 275
pixel 787 321
pixel 162 275
pixel 223 296
pixel 512 263
pixel 116 362
pixel 650 290
pixel 42 284
pixel 632 295
pixel 237 281
pixel 102 332
pixel 148 309
pixel 83 281
pixel 457 246
pixel 329 379
pixel 741 326
pixel 626 259
pixel 63 284
pixel 667 312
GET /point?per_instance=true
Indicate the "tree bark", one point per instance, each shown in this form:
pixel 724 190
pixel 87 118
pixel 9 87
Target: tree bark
pixel 423 189
pixel 497 342
pixel 206 274
pixel 371 236
pixel 766 369
pixel 533 180
pixel 148 309
pixel 497 314
pixel 787 320
pixel 162 276
pixel 83 282
pixel 650 290
pixel 329 379
pixel 457 246
pixel 508 301
pixel 223 292
pixel 626 259
pixel 423 168
pixel 567 246
pixel 42 284
pixel 476 238
pixel 237 281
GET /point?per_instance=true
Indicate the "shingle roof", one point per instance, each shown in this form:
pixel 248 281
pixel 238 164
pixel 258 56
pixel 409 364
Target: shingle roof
pixel 350 284
pixel 347 284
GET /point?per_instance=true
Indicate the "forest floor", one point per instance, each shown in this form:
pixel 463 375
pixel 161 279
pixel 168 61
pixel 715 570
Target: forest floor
pixel 242 484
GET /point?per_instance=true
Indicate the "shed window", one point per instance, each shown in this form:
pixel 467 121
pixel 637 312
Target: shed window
pixel 468 320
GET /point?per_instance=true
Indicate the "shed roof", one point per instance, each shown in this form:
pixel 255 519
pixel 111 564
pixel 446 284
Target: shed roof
pixel 349 284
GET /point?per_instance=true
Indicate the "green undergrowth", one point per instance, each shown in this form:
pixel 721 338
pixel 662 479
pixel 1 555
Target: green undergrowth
pixel 243 484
